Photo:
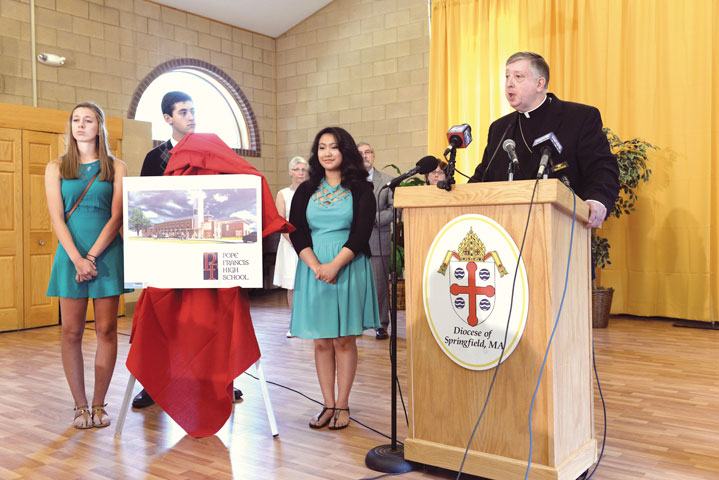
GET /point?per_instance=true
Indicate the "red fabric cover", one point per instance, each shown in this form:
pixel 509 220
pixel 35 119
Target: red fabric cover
pixel 188 345
pixel 187 348
pixel 206 154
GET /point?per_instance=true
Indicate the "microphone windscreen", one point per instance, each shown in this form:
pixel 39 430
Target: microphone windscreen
pixel 460 136
pixel 549 139
pixel 427 164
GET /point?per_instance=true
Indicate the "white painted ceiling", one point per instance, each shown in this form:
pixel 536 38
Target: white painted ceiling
pixel 268 17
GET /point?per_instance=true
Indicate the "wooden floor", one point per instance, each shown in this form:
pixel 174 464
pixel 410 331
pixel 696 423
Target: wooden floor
pixel 661 385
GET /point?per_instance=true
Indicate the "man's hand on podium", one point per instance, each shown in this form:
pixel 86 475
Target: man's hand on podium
pixel 597 213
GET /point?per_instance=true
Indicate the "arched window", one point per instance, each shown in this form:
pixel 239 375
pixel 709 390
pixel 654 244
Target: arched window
pixel 220 105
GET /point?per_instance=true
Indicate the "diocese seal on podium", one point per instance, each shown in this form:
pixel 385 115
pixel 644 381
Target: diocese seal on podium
pixel 476 292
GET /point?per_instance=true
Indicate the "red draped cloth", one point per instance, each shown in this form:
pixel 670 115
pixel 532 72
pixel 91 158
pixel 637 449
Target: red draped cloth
pixel 188 345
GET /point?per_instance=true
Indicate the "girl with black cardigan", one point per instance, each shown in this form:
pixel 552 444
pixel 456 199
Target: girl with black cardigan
pixel 335 298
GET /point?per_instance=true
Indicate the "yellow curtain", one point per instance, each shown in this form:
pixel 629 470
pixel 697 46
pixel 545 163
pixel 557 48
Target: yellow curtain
pixel 652 69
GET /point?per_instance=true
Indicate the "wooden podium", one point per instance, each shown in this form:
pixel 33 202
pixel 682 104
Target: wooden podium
pixel 446 399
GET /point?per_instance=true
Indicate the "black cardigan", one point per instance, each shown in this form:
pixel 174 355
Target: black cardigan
pixel 363 214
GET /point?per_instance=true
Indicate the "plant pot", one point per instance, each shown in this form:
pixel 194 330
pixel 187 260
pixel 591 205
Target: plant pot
pixel 400 293
pixel 601 305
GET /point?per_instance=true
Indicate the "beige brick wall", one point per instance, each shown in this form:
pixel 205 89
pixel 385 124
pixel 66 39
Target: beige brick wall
pixel 362 65
pixel 111 45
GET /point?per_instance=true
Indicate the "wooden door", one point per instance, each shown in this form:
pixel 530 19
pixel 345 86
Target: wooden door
pixel 115 147
pixel 38 148
pixel 11 239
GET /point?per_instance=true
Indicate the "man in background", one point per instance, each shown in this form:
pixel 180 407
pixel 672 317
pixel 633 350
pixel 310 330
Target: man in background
pixel 380 241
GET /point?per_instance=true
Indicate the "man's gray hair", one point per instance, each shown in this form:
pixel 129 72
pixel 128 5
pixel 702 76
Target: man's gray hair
pixel 536 63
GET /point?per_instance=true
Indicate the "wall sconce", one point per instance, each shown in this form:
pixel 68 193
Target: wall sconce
pixel 51 59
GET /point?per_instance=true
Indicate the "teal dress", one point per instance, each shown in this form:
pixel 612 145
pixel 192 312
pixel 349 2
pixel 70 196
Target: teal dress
pixel 322 310
pixel 85 225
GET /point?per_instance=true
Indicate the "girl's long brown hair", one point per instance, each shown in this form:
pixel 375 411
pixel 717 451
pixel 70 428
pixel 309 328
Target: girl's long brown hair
pixel 70 161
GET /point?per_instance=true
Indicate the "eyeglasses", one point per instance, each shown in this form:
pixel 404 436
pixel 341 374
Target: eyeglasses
pixel 299 169
pixel 366 152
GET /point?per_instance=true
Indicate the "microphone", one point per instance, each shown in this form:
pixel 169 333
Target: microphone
pixel 509 146
pixel 549 145
pixel 459 136
pixel 424 166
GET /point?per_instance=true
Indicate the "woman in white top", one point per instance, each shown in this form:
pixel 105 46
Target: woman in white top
pixel 286 261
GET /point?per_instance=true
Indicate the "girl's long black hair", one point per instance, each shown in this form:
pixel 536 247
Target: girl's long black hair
pixel 352 167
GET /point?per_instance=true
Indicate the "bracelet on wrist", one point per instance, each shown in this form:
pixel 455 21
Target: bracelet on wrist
pixel 93 256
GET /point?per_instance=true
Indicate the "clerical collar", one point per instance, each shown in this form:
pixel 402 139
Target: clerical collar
pixel 526 114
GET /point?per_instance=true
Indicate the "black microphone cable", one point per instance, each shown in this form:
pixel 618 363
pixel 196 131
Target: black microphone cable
pixel 604 411
pixel 491 159
pixel 551 337
pixel 594 360
pixel 549 345
pixel 446 162
pixel 384 475
pixel 321 403
pixel 506 330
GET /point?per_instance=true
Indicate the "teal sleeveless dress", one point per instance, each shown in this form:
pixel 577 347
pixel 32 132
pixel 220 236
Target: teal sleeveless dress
pixel 322 310
pixel 85 225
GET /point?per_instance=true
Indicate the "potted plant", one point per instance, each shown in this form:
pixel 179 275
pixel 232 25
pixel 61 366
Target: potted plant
pixel 632 159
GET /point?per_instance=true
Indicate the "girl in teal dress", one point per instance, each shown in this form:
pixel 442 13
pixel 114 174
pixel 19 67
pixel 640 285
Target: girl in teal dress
pixel 88 261
pixel 335 298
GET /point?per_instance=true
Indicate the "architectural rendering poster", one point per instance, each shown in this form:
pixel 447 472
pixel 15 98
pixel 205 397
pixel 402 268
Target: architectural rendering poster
pixel 195 231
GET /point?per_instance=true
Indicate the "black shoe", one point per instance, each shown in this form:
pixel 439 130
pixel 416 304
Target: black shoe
pixel 381 333
pixel 142 400
pixel 238 394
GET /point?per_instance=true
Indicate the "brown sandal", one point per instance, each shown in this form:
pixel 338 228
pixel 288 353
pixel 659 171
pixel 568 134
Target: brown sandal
pixel 86 421
pixel 102 416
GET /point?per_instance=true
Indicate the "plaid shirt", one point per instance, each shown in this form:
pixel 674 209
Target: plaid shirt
pixel 165 154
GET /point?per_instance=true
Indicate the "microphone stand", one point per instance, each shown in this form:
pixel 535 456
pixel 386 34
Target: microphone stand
pixel 548 170
pixel 449 171
pixel 390 458
pixel 511 171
